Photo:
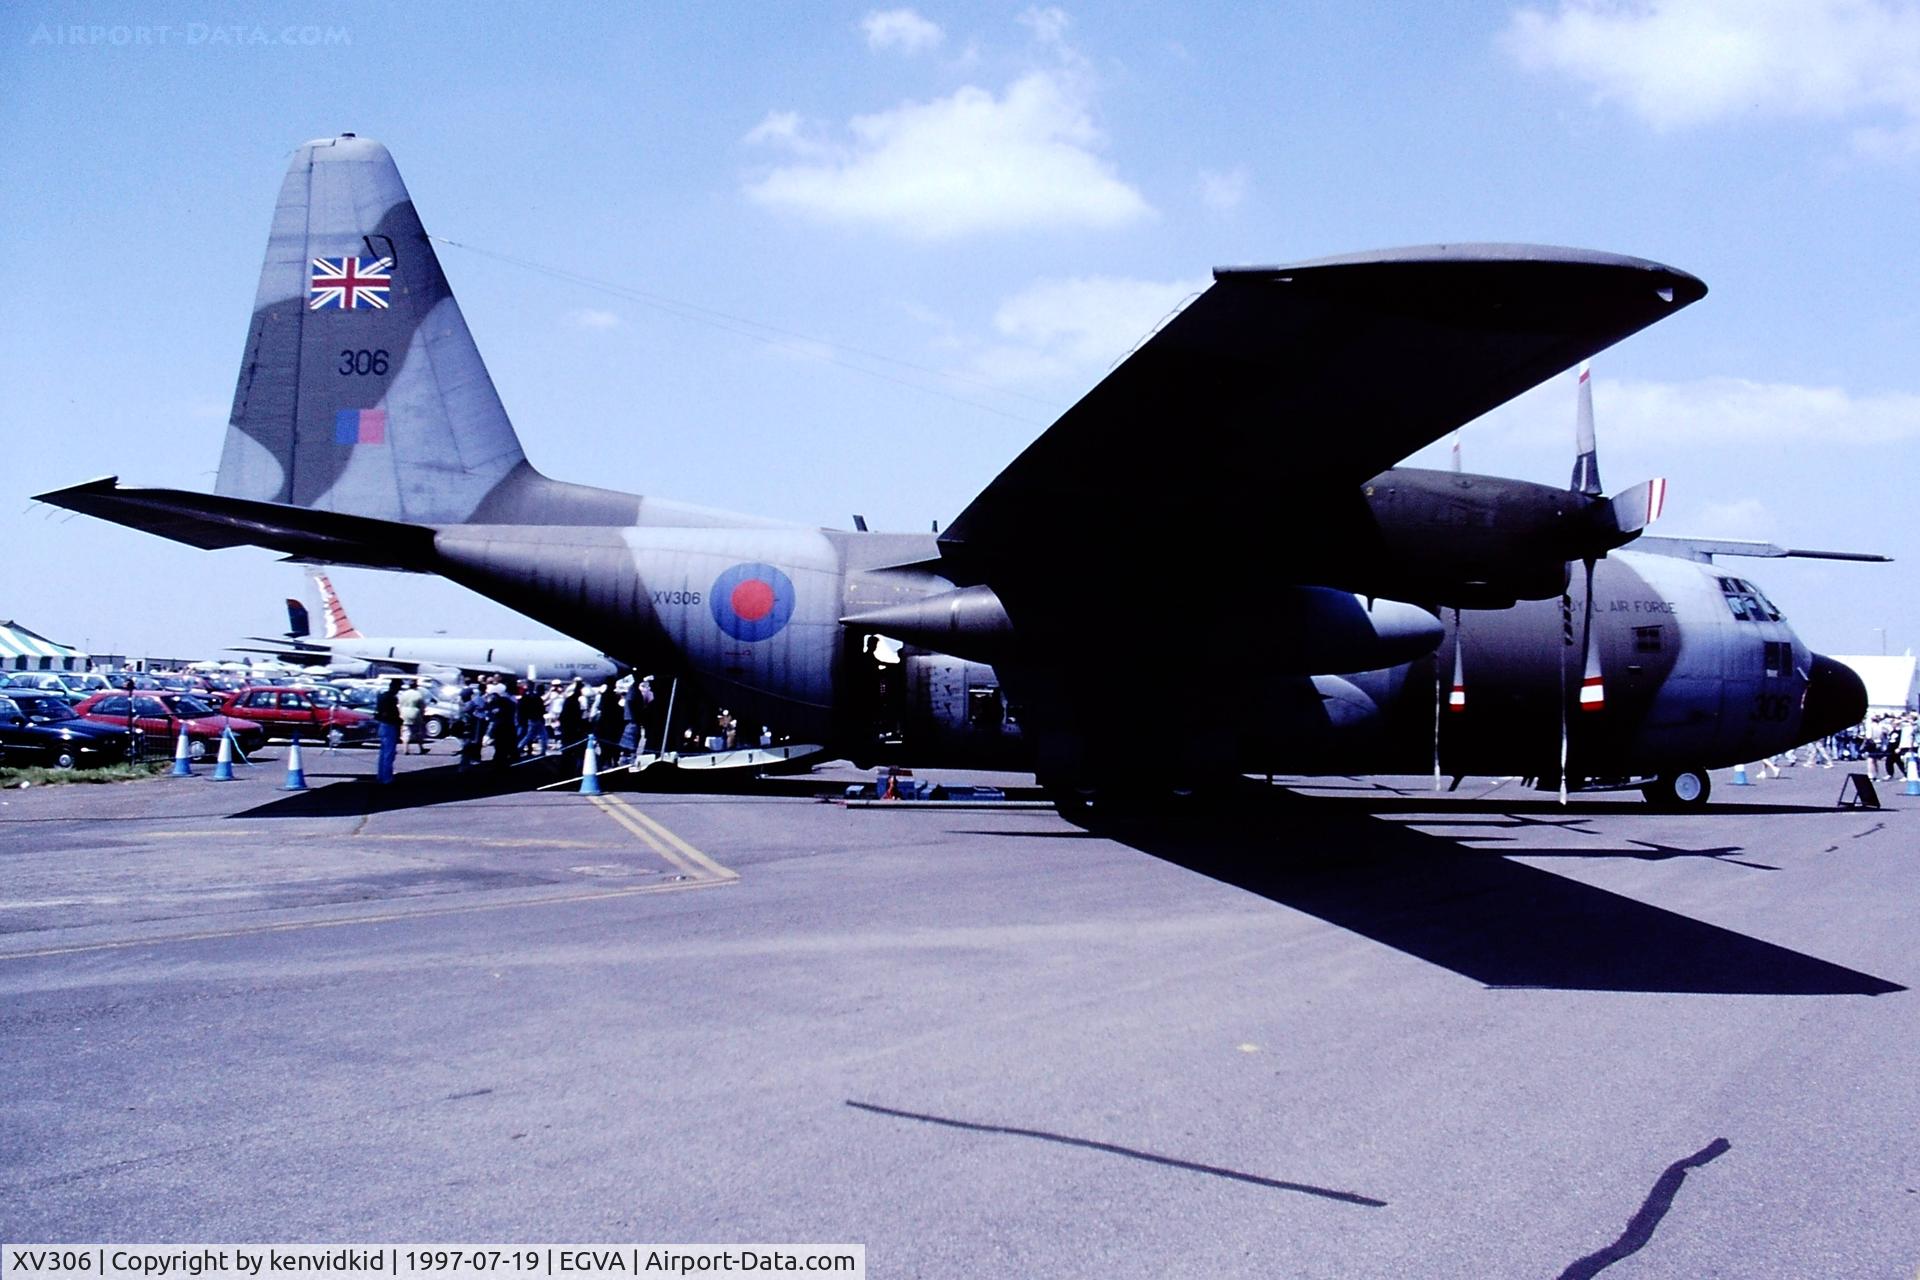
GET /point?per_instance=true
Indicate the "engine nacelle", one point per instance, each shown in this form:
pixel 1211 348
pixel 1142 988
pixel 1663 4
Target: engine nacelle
pixel 1305 630
pixel 1472 541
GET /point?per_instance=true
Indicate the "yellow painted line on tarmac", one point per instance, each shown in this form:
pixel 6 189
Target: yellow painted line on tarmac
pixel 707 864
pixel 623 816
pixel 345 921
pixel 678 852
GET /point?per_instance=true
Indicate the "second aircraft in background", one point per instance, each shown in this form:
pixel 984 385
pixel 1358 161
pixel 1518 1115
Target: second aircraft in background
pixel 343 645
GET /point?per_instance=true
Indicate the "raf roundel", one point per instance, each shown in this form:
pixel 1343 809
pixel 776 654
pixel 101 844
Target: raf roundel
pixel 752 601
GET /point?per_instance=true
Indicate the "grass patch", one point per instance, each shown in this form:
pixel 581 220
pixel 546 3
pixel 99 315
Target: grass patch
pixel 41 776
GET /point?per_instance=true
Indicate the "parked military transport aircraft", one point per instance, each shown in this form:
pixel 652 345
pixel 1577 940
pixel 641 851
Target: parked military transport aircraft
pixel 343 644
pixel 1200 570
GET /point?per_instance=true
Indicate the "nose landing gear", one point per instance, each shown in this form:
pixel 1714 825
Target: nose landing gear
pixel 1681 789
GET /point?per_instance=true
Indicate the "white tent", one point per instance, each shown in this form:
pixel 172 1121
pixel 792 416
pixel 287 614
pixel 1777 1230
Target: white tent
pixel 1893 684
pixel 24 650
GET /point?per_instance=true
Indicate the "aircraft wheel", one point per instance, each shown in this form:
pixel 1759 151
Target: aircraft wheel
pixel 1682 789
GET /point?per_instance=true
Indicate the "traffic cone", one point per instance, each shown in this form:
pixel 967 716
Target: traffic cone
pixel 590 769
pixel 296 776
pixel 223 767
pixel 1913 776
pixel 1740 778
pixel 183 755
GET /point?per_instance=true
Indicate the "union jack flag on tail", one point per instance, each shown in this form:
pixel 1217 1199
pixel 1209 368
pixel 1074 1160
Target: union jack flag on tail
pixel 347 284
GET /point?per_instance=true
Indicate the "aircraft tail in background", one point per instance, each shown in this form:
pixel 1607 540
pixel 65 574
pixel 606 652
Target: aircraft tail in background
pixel 339 626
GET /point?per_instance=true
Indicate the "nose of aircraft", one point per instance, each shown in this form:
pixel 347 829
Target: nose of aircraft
pixel 1836 698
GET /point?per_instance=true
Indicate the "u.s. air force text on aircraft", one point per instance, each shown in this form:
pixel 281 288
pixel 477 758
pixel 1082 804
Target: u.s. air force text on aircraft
pixel 544 1262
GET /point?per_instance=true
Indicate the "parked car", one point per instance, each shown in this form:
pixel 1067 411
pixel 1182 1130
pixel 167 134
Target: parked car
pixel 42 728
pixel 161 715
pixel 438 717
pixel 310 712
pixel 71 685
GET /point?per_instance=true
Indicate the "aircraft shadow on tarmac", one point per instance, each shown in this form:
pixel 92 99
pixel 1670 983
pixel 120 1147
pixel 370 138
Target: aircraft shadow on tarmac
pixel 1477 911
pixel 355 794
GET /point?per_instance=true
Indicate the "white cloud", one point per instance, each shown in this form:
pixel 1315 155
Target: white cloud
pixel 592 318
pixel 1679 63
pixel 1717 411
pixel 1223 192
pixel 1057 330
pixel 1744 518
pixel 902 30
pixel 973 162
pixel 1049 28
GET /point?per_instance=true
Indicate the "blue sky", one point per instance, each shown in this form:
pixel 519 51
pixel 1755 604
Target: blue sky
pixel 852 258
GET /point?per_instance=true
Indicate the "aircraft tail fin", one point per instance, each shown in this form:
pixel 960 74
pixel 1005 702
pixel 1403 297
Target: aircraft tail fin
pixel 361 390
pixel 339 626
pixel 298 627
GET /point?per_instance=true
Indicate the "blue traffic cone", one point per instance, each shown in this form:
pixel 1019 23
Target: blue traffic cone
pixel 223 767
pixel 1740 778
pixel 590 769
pixel 296 776
pixel 183 755
pixel 1913 776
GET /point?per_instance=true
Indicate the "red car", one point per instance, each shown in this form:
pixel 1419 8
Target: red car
pixel 160 715
pixel 312 713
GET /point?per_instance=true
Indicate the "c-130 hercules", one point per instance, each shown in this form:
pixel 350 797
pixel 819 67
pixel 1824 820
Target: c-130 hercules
pixel 1238 453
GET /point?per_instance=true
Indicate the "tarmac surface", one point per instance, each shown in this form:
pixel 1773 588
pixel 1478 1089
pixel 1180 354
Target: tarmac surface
pixel 1346 1029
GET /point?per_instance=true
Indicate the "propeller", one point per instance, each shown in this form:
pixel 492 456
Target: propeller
pixel 1614 522
pixel 1454 699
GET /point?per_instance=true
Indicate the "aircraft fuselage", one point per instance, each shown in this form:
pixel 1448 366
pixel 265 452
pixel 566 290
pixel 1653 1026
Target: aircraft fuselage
pixel 1696 675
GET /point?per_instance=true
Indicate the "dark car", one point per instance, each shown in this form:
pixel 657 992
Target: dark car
pixel 161 715
pixel 41 728
pixel 71 685
pixel 312 713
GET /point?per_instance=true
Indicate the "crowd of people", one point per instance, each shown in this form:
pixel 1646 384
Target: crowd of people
pixel 523 720
pixel 1885 741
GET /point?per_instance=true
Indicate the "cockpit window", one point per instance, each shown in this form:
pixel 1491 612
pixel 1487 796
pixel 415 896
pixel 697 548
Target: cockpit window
pixel 1746 601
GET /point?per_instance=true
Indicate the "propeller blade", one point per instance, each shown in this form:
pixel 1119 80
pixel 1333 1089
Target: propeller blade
pixel 1586 460
pixel 1593 693
pixel 1636 508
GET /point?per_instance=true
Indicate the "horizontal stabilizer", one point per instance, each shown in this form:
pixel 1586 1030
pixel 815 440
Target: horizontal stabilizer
pixel 1705 549
pixel 211 522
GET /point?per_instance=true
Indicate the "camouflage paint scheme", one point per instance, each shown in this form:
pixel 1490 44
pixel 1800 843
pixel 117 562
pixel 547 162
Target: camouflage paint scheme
pixel 1199 569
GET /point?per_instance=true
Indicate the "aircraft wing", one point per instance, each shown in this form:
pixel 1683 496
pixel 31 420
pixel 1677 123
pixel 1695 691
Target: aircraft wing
pixel 1263 405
